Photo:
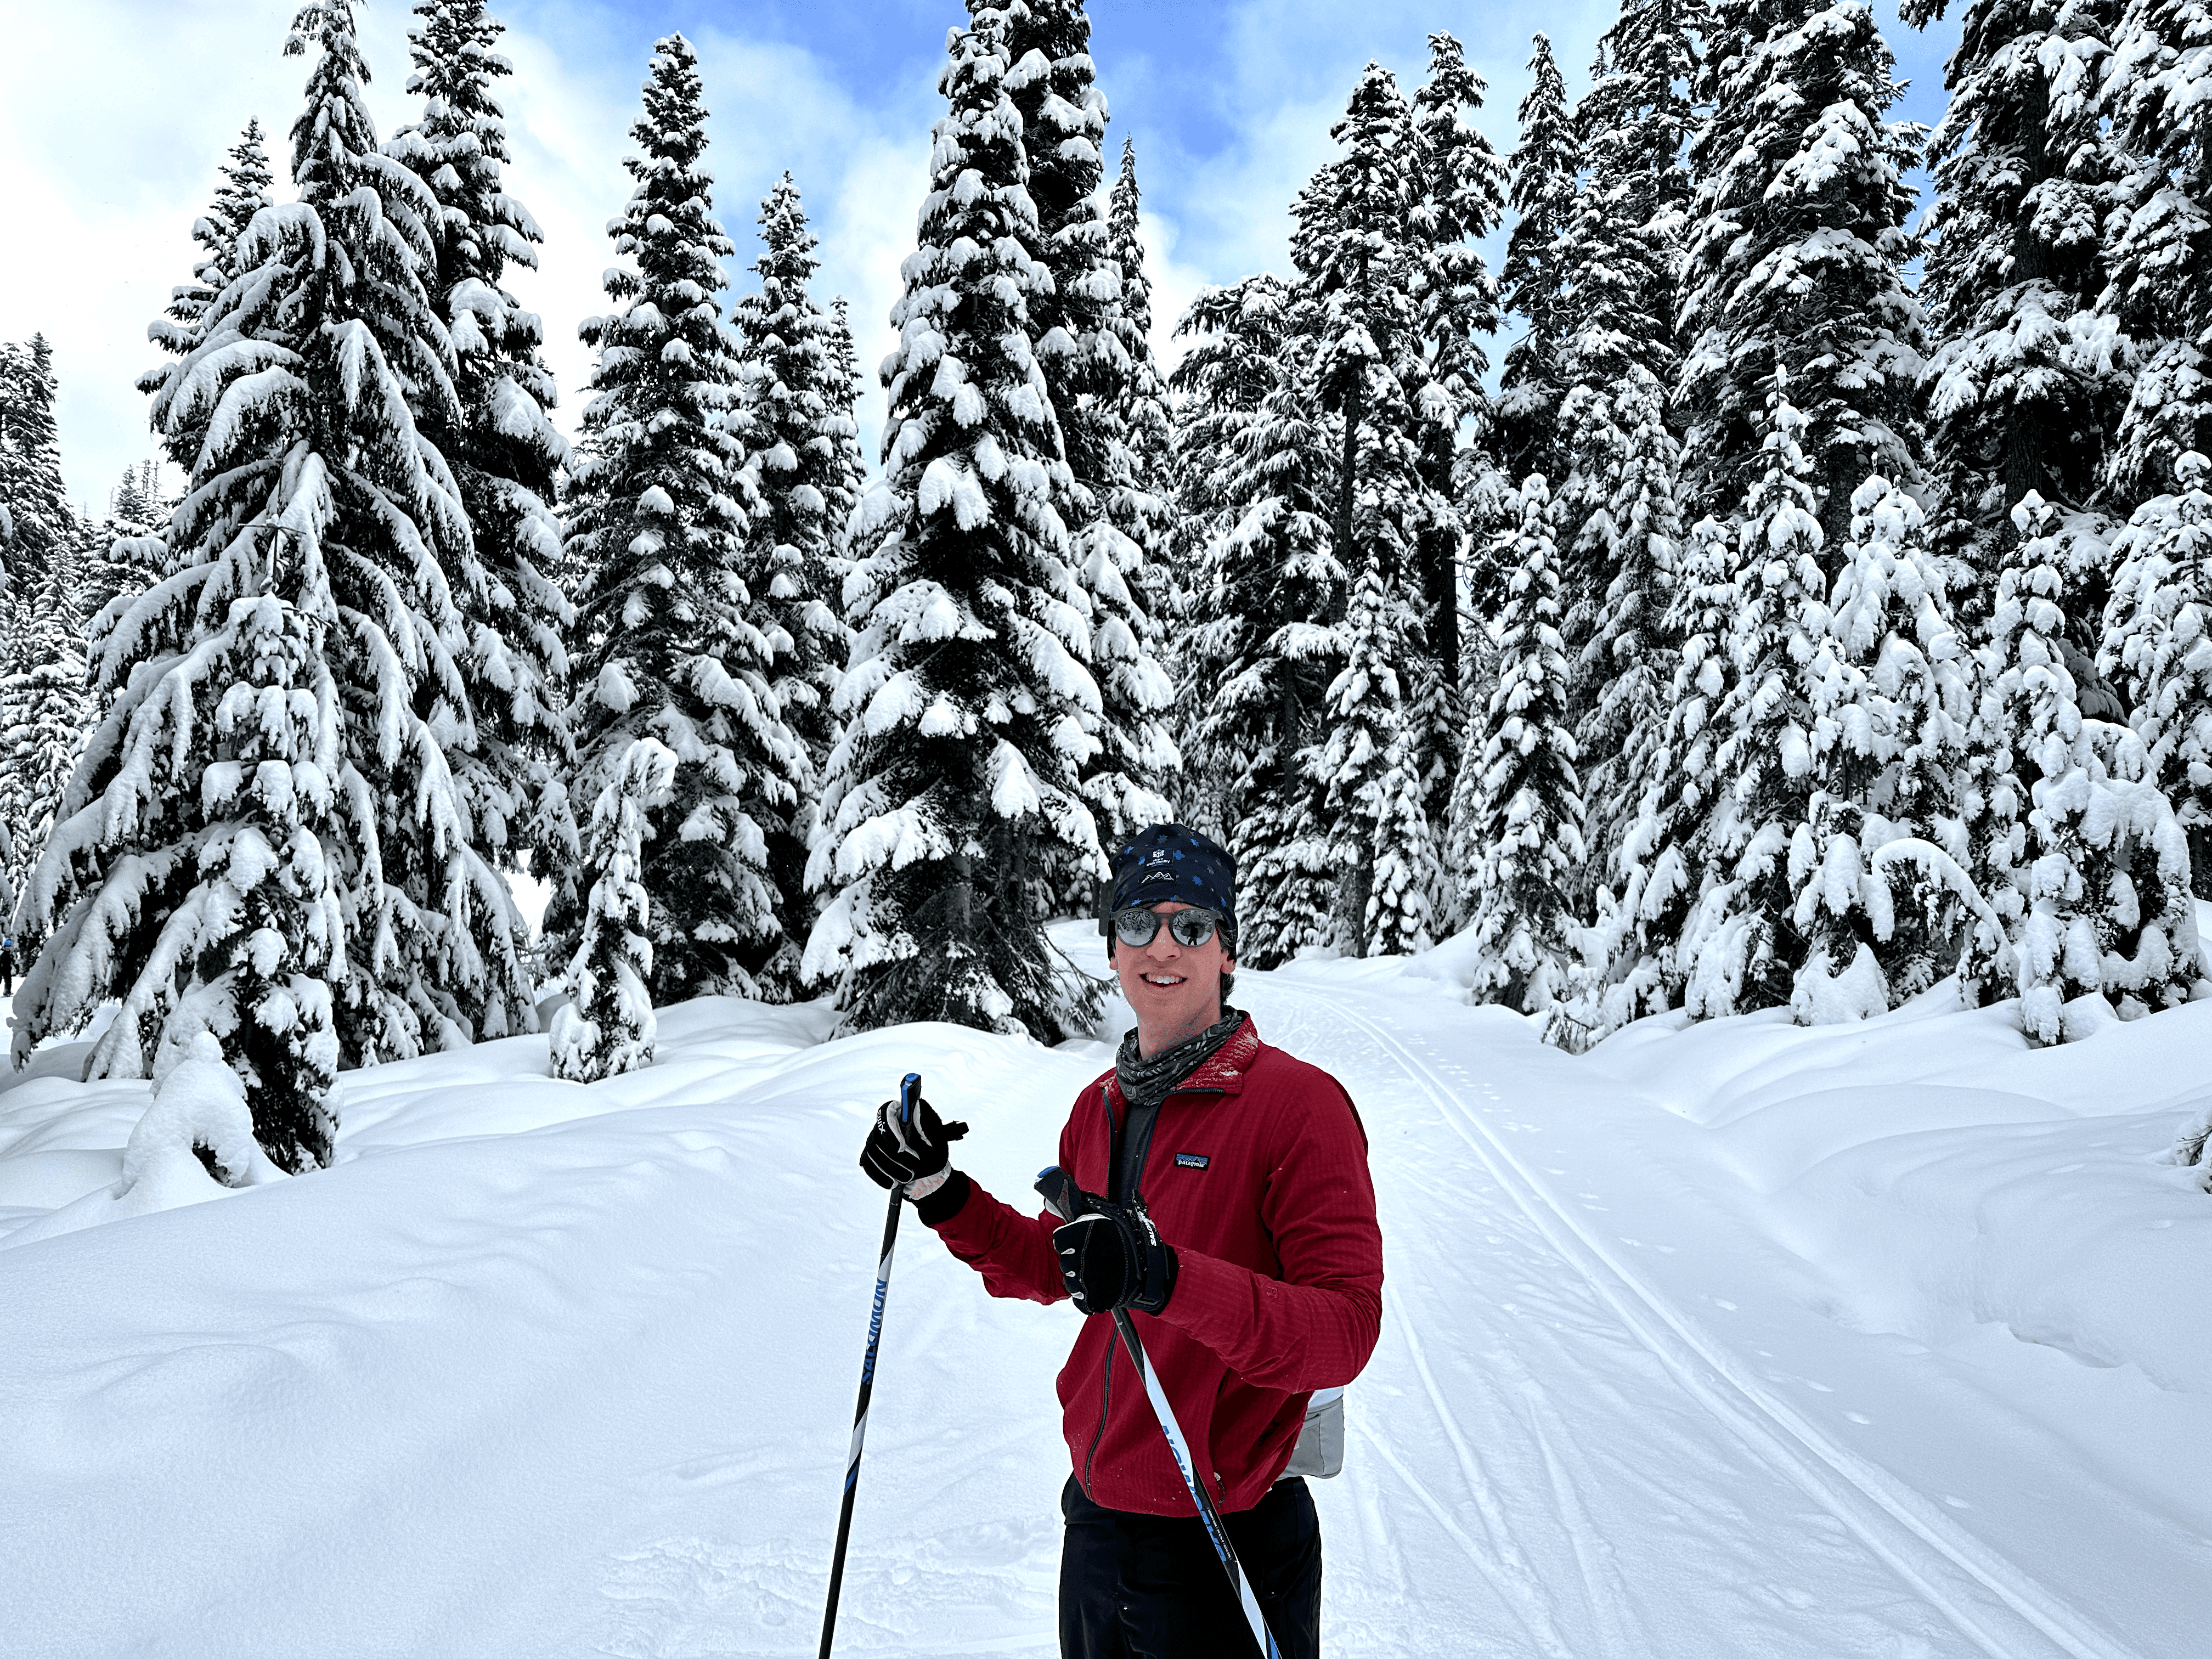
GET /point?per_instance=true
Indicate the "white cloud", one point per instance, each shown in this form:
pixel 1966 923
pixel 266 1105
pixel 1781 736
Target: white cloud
pixel 106 158
pixel 108 152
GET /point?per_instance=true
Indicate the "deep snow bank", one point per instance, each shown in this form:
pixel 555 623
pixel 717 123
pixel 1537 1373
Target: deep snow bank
pixel 1948 1176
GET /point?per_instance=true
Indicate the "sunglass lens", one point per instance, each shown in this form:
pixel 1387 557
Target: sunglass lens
pixel 1191 928
pixel 1136 927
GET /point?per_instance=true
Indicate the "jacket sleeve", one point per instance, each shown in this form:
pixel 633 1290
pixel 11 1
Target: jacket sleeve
pixel 1315 1327
pixel 1012 1251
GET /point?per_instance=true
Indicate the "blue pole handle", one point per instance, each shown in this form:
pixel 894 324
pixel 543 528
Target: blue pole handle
pixel 909 1096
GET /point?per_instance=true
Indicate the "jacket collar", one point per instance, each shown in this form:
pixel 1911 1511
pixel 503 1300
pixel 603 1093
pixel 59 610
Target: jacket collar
pixel 1222 1072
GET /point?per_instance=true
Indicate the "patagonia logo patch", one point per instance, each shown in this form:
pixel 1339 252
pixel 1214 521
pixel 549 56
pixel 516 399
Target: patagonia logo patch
pixel 1192 1160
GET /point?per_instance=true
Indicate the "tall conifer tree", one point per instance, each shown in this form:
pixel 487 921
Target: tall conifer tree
pixel 242 192
pixel 2157 94
pixel 952 809
pixel 225 856
pixel 1257 468
pixel 1083 348
pixel 1143 504
pixel 1797 249
pixel 44 713
pixel 2024 388
pixel 503 449
pixel 1522 798
pixel 798 425
pixel 42 523
pixel 1533 281
pixel 1742 947
pixel 1361 280
pixel 1463 190
pixel 675 645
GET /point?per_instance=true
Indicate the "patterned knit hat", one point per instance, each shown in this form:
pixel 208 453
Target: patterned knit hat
pixel 1173 863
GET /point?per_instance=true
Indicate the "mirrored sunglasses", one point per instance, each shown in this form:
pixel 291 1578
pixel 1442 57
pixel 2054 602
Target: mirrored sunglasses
pixel 1140 928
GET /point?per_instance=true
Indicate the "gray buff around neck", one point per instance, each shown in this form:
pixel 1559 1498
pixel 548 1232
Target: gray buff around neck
pixel 1147 1082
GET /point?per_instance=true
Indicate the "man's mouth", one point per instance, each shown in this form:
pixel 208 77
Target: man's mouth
pixel 1162 980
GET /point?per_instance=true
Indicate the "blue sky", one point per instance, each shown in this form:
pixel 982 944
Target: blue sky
pixel 113 113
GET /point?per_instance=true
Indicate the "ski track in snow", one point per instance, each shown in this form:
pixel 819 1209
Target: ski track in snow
pixel 1596 1400
pixel 548 1374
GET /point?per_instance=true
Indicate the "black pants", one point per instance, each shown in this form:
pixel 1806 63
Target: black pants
pixel 1151 1587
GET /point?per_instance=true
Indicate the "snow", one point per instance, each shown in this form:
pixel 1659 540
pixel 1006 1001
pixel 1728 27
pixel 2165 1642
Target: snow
pixel 1741 1338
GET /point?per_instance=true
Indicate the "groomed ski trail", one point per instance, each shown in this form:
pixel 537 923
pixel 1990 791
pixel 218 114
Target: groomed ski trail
pixel 1590 1476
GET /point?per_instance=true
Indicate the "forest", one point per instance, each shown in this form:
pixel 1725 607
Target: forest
pixel 1763 590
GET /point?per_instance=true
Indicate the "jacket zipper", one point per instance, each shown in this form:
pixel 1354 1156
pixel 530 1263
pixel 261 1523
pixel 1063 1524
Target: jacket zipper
pixel 1105 1403
pixel 1106 1385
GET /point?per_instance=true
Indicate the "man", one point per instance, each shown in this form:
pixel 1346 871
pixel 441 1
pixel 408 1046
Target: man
pixel 1258 1281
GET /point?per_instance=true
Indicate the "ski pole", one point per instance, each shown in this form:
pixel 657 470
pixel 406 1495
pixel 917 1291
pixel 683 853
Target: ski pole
pixel 910 1097
pixel 1060 1195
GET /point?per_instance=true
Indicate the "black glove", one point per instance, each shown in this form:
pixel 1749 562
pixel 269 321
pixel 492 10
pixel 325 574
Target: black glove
pixel 899 1154
pixel 1112 1256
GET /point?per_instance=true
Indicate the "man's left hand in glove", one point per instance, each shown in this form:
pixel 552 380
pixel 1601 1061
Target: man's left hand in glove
pixel 1112 1256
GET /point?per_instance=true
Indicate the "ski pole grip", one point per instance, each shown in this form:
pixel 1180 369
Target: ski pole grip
pixel 909 1096
pixel 1061 1194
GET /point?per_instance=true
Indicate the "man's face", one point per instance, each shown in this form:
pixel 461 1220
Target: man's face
pixel 1175 989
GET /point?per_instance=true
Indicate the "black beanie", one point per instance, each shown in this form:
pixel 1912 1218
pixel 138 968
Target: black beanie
pixel 1173 863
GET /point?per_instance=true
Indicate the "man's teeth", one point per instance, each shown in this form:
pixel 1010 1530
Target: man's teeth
pixel 1162 979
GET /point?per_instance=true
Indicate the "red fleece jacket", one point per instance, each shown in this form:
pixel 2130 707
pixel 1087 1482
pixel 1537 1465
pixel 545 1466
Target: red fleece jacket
pixel 1257 1175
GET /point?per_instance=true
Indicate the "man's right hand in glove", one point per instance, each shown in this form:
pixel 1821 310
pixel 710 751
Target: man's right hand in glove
pixel 914 1158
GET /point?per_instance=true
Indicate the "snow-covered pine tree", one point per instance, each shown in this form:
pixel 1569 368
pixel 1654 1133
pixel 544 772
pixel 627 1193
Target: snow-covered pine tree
pixel 1462 196
pixel 1636 965
pixel 193 874
pixel 1353 243
pixel 1258 469
pixel 1146 507
pixel 1741 948
pixel 242 192
pixel 607 1026
pixel 675 645
pixel 2157 646
pixel 1620 257
pixel 2158 236
pixel 302 381
pixel 1082 350
pixel 504 452
pixel 2103 906
pixel 798 424
pixel 1877 860
pixel 1141 505
pixel 845 398
pixel 42 522
pixel 1381 844
pixel 44 712
pixel 1630 654
pixel 1637 121
pixel 1522 799
pixel 2025 383
pixel 1797 253
pixel 952 803
pixel 113 556
pixel 1533 283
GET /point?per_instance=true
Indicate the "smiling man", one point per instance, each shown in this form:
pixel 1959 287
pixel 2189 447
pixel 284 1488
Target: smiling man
pixel 1258 1282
